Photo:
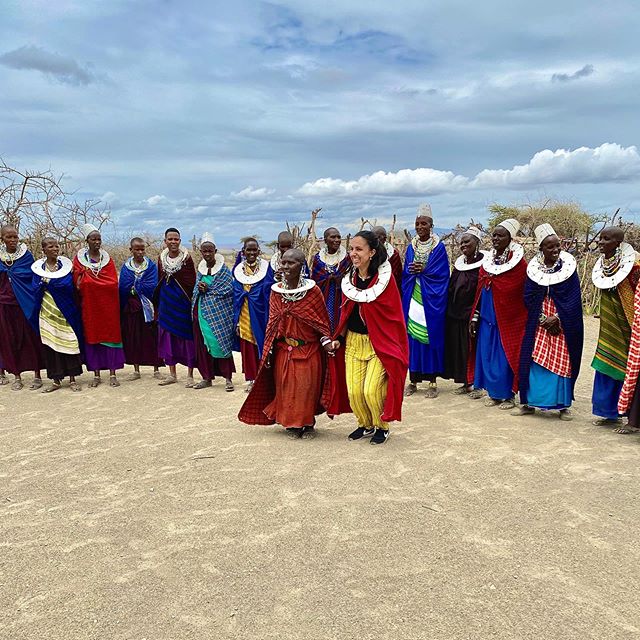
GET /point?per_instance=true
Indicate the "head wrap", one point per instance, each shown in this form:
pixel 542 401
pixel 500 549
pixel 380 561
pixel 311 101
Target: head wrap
pixel 425 210
pixel 206 237
pixel 512 226
pixel 475 232
pixel 543 231
pixel 87 229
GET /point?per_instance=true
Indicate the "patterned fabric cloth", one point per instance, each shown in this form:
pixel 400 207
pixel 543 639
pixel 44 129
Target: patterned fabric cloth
pixel 55 331
pixel 416 322
pixel 567 301
pixel 328 278
pixel 614 337
pixel 215 311
pixel 244 322
pixel 633 360
pixel 549 351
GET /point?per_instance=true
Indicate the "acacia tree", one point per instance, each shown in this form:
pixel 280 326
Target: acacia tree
pixel 37 205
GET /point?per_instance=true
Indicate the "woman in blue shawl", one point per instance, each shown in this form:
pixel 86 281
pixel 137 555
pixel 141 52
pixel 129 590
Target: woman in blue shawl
pixel 20 348
pixel 252 282
pixel 57 313
pixel 213 328
pixel 138 281
pixel 552 346
pixel 425 287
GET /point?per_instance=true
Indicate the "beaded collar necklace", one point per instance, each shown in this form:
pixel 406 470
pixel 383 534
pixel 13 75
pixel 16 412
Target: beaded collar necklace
pixel 132 265
pixel 293 295
pixel 333 259
pixel 10 258
pixel 611 265
pixel 173 265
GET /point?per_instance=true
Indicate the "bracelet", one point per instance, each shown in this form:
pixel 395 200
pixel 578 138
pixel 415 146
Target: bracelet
pixel 324 340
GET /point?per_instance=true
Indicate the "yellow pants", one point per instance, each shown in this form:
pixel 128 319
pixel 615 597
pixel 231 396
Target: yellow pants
pixel 366 380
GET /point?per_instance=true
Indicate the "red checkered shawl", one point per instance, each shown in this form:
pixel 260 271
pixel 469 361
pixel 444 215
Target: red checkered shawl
pixel 396 265
pixel 384 320
pixel 633 359
pixel 508 299
pixel 311 310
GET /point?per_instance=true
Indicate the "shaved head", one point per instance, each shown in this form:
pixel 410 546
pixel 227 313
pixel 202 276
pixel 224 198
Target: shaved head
pixel 381 232
pixel 283 236
pixel 294 254
pixel 615 233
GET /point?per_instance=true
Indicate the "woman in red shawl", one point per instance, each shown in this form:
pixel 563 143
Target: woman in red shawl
pixel 96 278
pixel 371 369
pixel 498 319
pixel 292 384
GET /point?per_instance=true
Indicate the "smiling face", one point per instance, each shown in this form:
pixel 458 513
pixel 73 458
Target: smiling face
pixel 208 252
pixel 468 245
pixel 137 250
pixel 94 241
pixel 332 239
pixel 360 253
pixel 251 251
pixel 172 242
pixel 610 240
pixel 423 226
pixel 10 238
pixel 550 247
pixel 291 265
pixel 500 239
pixel 51 250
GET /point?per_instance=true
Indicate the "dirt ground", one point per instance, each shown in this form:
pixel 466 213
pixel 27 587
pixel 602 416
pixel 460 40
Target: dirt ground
pixel 150 513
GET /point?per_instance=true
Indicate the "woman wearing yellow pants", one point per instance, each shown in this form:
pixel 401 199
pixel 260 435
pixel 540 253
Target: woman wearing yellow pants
pixel 370 371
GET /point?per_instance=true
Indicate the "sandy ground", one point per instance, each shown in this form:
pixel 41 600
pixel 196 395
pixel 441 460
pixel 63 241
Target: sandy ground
pixel 149 512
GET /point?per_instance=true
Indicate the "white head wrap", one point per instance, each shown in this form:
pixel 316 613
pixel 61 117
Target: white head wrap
pixel 206 237
pixel 474 231
pixel 425 210
pixel 87 229
pixel 543 231
pixel 511 225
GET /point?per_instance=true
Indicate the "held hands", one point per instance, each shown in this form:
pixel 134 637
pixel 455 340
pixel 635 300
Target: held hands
pixel 202 287
pixel 552 325
pixel 416 267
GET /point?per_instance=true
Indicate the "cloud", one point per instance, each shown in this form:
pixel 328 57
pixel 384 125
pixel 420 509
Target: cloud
pixel 609 162
pixel 156 200
pixel 587 70
pixel 249 193
pixel 55 65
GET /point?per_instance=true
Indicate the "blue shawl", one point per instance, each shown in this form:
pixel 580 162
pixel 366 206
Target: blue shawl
pixel 568 300
pixel 143 283
pixel 216 306
pixel 434 284
pixel 258 298
pixel 21 281
pixel 65 296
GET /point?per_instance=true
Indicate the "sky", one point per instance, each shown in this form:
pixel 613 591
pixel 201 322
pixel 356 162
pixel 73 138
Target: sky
pixel 234 117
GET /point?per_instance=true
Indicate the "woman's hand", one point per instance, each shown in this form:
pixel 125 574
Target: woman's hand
pixel 473 328
pixel 416 267
pixel 202 287
pixel 552 325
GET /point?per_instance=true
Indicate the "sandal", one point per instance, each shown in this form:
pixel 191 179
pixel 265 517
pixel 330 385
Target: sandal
pixel 308 433
pixel 625 430
pixel 36 384
pixel 17 385
pixel 158 375
pixel 476 394
pixel 190 383
pixel 203 384
pixel 113 381
pixel 410 389
pixel 249 387
pixel 168 380
pixel 3 380
pixel 606 422
pixel 505 405
pixel 75 386
pixel 229 386
pixel 565 414
pixel 490 402
pixel 133 376
pixel 461 391
pixel 54 386
pixel 523 410
pixel 295 432
pixel 97 380
pixel 431 392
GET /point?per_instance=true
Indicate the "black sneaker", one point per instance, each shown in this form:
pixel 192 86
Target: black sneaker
pixel 380 436
pixel 361 432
